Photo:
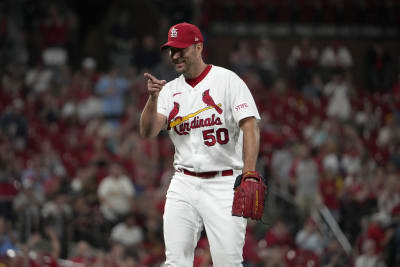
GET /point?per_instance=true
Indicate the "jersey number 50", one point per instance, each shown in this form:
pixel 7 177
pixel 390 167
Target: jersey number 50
pixel 221 136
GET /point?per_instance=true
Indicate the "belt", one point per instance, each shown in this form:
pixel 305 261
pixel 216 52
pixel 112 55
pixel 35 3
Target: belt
pixel 207 174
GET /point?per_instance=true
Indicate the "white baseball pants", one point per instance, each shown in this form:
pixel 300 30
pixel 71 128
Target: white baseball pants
pixel 193 203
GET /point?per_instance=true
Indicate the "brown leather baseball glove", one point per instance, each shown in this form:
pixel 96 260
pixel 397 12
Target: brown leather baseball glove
pixel 249 197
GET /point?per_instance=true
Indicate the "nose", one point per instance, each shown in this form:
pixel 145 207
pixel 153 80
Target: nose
pixel 175 54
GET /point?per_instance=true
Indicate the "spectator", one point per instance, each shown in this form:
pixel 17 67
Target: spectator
pixel 338 90
pixel 55 32
pixel 87 108
pixel 153 227
pixel 115 256
pixel 111 88
pixel 241 58
pixel 147 54
pixel 329 190
pixel 389 198
pixel 278 241
pixel 46 247
pixel 58 214
pixel 266 59
pixel 299 257
pixel 38 78
pixel 8 190
pixel 7 239
pixel 309 238
pixel 27 207
pixel 379 69
pixel 10 165
pixel 83 224
pixel 316 133
pixel 314 88
pixel 83 254
pixel 121 39
pixel 334 256
pixel 12 37
pixel 251 248
pixel 14 124
pixel 335 56
pixel 128 233
pixel 89 70
pixel 356 203
pixel 369 258
pixel 80 102
pixel 302 60
pixel 388 132
pixel 163 68
pixel 129 260
pixel 53 164
pixel 115 193
pixel 97 154
pixel 330 160
pixel 281 163
pixel 351 161
pixel 367 119
pixel 84 183
pixel 304 178
pixel 54 29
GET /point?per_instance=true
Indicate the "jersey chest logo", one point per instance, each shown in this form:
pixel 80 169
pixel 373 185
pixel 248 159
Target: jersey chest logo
pixel 181 124
pixel 209 101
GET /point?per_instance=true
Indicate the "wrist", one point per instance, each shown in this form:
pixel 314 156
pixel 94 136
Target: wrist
pixel 153 97
pixel 244 171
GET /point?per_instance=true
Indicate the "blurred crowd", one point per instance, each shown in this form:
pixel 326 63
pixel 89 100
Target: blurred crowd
pixel 338 12
pixel 327 142
pixel 79 187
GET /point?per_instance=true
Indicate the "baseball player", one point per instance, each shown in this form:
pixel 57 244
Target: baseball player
pixel 211 117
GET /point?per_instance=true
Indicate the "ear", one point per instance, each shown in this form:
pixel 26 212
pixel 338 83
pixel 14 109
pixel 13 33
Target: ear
pixel 199 48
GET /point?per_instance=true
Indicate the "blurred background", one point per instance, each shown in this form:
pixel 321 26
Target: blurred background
pixel 78 187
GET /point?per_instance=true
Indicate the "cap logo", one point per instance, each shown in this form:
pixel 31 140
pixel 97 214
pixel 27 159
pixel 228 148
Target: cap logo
pixel 174 32
pixel 196 39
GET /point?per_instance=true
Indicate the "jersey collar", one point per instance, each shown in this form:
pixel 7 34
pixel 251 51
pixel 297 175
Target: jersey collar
pixel 193 82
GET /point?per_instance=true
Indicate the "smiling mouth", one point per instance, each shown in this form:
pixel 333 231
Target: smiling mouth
pixel 179 64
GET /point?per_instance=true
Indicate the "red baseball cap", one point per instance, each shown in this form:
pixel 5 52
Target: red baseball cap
pixel 183 35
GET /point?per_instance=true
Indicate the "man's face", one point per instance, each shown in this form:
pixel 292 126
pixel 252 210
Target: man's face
pixel 184 58
pixel 115 171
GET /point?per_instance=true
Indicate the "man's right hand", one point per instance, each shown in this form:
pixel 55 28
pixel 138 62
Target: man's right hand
pixel 154 85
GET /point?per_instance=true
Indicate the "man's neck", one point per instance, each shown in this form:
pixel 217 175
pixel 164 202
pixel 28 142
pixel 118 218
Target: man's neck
pixel 196 71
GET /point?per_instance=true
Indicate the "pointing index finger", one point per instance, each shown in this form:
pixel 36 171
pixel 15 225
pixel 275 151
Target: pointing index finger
pixel 149 76
pixel 153 79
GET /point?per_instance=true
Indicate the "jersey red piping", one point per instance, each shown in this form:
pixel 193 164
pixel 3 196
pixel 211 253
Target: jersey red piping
pixel 195 81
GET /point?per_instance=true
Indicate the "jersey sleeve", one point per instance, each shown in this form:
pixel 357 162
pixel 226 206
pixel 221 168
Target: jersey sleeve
pixel 242 102
pixel 162 102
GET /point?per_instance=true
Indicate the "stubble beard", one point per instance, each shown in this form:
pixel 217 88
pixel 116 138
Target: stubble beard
pixel 183 69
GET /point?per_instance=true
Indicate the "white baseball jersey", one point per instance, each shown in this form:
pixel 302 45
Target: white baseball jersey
pixel 203 122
